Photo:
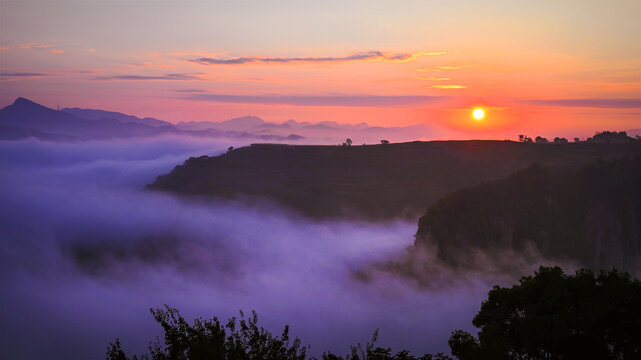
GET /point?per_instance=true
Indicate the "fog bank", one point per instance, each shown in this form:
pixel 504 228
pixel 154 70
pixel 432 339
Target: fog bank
pixel 85 252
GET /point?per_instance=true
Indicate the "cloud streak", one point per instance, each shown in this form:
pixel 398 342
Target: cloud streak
pixel 18 75
pixel 593 103
pixel 373 55
pixel 151 77
pixel 431 78
pixel 36 45
pixel 445 67
pixel 448 86
pixel 190 91
pixel 319 100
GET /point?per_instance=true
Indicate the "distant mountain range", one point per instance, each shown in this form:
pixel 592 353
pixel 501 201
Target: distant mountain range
pixel 325 131
pixel 91 114
pixel 25 118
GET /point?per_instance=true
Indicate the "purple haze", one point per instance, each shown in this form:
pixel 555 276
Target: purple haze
pixel 85 252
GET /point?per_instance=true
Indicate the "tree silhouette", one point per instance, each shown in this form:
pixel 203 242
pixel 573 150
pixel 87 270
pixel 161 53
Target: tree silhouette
pixel 370 352
pixel 610 136
pixel 552 315
pixel 209 339
pixel 384 142
pixel 241 340
pixel 348 141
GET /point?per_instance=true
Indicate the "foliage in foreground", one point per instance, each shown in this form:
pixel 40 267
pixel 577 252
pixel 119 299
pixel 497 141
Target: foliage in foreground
pixel 549 316
pixel 240 340
pixel 552 315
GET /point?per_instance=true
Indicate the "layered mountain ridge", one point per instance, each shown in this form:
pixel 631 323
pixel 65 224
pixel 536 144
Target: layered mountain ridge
pixel 25 118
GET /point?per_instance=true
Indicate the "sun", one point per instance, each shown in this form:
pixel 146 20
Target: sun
pixel 478 114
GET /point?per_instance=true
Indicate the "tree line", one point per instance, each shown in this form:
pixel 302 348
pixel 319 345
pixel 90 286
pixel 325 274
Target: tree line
pixel 599 137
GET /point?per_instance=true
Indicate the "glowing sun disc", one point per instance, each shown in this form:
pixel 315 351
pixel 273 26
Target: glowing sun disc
pixel 478 114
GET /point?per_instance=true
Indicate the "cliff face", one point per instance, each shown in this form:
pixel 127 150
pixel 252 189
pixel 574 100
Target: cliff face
pixel 590 216
pixel 374 182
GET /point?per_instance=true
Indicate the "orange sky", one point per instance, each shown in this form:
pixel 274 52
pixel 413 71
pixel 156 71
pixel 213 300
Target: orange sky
pixel 545 68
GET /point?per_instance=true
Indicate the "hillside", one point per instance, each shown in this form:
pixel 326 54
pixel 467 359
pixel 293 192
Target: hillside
pixel 590 216
pixel 374 182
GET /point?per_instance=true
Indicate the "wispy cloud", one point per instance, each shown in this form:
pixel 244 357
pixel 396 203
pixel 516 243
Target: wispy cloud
pixel 431 78
pixel 146 64
pixel 360 56
pixel 593 103
pixel 34 45
pixel 190 91
pixel 151 77
pixel 444 68
pixel 448 86
pixel 19 75
pixel 319 100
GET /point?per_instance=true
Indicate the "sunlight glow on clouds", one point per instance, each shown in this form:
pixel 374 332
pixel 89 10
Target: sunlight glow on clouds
pixel 314 61
pixel 151 77
pixel 34 45
pixel 431 78
pixel 327 100
pixel 361 56
pixel 448 86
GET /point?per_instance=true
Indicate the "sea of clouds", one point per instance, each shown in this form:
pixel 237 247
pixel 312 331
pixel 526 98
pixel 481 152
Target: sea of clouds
pixel 85 251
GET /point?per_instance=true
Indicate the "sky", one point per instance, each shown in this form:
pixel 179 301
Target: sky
pixel 565 68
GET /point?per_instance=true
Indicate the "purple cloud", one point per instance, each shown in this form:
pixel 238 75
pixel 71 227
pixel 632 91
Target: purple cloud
pixel 9 75
pixel 318 100
pixel 151 77
pixel 190 90
pixel 595 103
pixel 361 56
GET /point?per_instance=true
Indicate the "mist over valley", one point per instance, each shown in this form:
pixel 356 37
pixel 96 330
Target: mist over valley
pixel 334 240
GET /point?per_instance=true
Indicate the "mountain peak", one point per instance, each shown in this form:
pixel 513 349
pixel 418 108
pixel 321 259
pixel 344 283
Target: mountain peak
pixel 250 120
pixel 24 103
pixel 21 101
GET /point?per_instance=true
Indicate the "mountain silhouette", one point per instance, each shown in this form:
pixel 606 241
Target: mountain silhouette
pixel 244 123
pixel 25 118
pixel 28 114
pixel 32 117
pixel 322 131
pixel 94 114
